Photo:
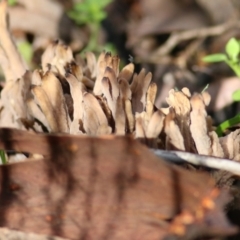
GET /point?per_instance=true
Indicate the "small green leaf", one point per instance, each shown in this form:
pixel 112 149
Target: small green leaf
pixel 12 2
pixel 3 157
pixel 218 57
pixel 25 48
pixel 232 48
pixel 227 124
pixel 205 88
pixel 236 96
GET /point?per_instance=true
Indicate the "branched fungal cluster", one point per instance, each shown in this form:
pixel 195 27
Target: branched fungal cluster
pixel 93 96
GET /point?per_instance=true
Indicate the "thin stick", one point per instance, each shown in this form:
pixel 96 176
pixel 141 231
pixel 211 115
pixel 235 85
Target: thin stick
pixel 177 37
pixel 200 160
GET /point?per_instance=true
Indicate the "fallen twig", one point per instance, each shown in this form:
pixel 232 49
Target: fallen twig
pixel 177 37
pixel 200 160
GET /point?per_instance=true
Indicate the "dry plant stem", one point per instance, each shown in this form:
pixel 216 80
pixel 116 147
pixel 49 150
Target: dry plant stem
pixel 192 48
pixel 8 46
pixel 200 160
pixel 177 37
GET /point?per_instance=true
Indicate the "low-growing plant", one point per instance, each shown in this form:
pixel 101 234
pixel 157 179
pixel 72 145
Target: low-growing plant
pixel 12 2
pixel 3 157
pixel 232 59
pixel 26 51
pixel 90 13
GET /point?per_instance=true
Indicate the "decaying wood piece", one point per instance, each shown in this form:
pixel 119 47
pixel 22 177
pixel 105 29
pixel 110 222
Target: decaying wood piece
pixel 84 189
